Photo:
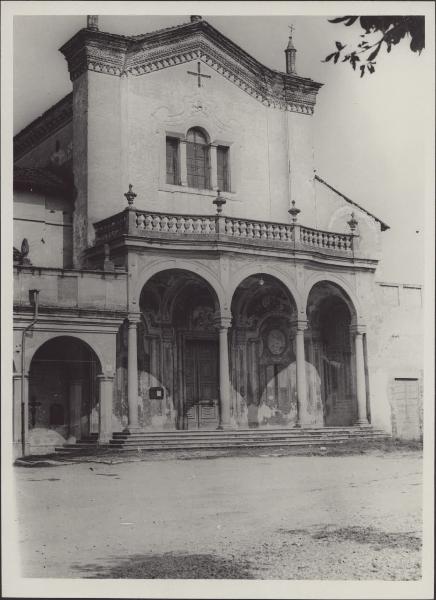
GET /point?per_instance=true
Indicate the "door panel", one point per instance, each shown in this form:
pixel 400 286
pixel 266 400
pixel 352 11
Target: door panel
pixel 201 385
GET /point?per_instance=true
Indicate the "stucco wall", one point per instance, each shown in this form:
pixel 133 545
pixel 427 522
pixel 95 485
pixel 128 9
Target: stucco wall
pixel 133 114
pixel 395 350
pixel 46 222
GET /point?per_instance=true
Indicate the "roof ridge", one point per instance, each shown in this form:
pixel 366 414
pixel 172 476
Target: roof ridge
pixel 384 226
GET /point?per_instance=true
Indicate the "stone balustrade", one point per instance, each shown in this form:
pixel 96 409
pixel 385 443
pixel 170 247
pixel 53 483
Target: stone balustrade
pixel 133 222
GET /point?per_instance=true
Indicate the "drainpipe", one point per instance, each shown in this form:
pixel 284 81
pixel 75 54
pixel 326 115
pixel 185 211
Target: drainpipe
pixel 33 298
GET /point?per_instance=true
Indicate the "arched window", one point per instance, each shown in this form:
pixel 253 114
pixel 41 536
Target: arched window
pixel 197 159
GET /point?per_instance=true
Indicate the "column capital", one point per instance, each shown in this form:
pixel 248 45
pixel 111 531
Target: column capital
pixel 105 377
pixel 133 318
pixel 358 328
pixel 299 325
pixel 222 322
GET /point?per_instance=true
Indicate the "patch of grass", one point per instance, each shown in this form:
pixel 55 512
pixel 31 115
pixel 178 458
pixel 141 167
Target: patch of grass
pixel 371 536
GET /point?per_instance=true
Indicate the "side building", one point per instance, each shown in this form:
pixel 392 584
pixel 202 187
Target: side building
pixel 230 287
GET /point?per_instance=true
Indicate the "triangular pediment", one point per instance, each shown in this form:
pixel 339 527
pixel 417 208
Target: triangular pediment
pixel 197 41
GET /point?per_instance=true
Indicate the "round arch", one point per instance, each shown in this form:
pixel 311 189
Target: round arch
pixel 281 277
pixel 349 297
pixel 48 337
pixel 195 268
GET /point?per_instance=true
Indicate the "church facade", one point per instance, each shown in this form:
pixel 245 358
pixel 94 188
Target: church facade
pixel 178 264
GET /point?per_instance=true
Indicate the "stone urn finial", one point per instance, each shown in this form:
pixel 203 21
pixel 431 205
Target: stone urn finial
pixel 130 195
pixel 352 223
pixel 294 212
pixel 219 203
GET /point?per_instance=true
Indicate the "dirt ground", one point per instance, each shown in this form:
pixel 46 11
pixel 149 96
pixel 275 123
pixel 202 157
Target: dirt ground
pixel 243 517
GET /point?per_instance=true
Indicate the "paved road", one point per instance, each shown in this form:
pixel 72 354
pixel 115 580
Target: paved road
pixel 265 517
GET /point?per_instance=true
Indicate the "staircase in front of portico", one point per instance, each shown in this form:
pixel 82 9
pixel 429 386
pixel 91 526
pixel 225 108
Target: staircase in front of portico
pixel 221 440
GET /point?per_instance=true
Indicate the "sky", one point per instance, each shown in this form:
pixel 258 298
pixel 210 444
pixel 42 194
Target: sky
pixel 373 135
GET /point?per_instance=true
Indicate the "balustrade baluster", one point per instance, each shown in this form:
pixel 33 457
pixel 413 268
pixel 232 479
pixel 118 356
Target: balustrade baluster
pixel 140 219
pixel 148 222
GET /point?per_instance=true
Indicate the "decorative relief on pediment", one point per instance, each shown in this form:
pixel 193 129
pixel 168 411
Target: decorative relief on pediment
pixel 193 108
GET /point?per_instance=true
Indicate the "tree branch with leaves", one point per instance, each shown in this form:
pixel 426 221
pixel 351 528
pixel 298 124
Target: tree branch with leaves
pixel 393 29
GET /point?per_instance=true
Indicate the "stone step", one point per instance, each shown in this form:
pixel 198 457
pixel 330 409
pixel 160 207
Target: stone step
pixel 251 431
pixel 241 436
pixel 216 439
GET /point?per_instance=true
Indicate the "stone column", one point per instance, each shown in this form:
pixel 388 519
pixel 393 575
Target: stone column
pixel 16 407
pixel 362 419
pixel 183 167
pixel 132 372
pixel 105 413
pixel 223 324
pixel 301 372
pixel 75 397
pixel 213 168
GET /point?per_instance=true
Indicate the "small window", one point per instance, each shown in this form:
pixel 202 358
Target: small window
pixel 197 159
pixel 222 156
pixel 173 171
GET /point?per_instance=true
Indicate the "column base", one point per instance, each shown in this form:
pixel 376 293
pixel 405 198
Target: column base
pixel 135 429
pixel 226 427
pixel 362 423
pixel 104 440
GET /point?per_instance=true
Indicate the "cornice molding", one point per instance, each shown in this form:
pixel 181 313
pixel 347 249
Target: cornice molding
pixel 55 118
pixel 140 55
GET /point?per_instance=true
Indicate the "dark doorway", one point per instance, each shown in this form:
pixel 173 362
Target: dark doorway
pixel 201 406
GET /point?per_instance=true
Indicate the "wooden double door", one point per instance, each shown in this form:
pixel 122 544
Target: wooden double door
pixel 201 402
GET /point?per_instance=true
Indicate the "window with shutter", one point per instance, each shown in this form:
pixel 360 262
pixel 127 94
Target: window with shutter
pixel 197 159
pixel 173 172
pixel 223 179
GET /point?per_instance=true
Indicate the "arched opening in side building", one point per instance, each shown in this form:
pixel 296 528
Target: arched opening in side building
pixel 178 366
pixel 263 368
pixel 63 393
pixel 330 350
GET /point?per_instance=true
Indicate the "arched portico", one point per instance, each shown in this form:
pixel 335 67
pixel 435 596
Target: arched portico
pixel 64 394
pixel 176 368
pixel 268 387
pixel 334 347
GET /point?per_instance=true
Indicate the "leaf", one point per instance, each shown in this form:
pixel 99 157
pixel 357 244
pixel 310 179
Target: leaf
pixel 335 60
pixel 374 53
pixel 362 70
pixel 350 21
pixel 371 69
pixel 338 20
pixel 329 57
pixel 339 46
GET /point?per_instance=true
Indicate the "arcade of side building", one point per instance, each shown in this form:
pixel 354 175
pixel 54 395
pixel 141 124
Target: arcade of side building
pixel 178 264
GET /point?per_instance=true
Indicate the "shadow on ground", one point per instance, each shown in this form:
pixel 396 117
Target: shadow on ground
pixel 168 565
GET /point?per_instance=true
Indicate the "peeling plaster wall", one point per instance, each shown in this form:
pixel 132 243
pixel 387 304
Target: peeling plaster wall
pixel 395 351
